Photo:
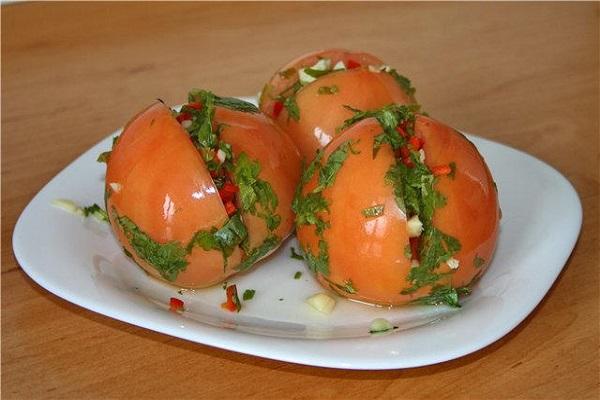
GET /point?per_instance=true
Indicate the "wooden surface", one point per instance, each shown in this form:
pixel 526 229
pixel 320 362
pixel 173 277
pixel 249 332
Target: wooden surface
pixel 522 74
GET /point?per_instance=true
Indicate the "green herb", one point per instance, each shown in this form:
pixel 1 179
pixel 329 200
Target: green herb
pixel 478 261
pixel 224 240
pixel 452 173
pixel 105 156
pixel 443 295
pixel 169 258
pixel 320 262
pixel 248 294
pixel 307 209
pixel 389 117
pixel 372 212
pixel 295 255
pixel 253 190
pixel 347 286
pixel 328 89
pixel 202 120
pixel 257 253
pixel 404 82
pixel 329 171
pixel 236 104
pixel 292 108
pixel 297 275
pixel 316 73
pixel 95 211
pixel 407 252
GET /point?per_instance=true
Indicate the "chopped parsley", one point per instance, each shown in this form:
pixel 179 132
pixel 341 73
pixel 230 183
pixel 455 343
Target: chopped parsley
pixel 169 258
pixel 320 262
pixel 452 173
pixel 372 212
pixel 105 156
pixel 297 275
pixel 253 190
pixel 291 106
pixel 227 102
pixel 407 252
pixel 478 261
pixel 328 89
pixel 403 81
pixel 259 252
pixel 347 286
pixel 295 255
pixel 447 295
pixel 248 294
pixel 225 239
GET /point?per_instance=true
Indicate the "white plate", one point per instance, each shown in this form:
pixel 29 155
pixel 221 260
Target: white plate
pixel 80 261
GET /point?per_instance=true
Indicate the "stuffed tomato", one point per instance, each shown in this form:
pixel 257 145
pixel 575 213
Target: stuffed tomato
pixel 198 195
pixel 399 209
pixel 311 96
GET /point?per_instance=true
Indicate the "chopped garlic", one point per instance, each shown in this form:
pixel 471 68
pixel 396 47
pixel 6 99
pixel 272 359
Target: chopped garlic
pixel 186 124
pixel 322 65
pixel 414 226
pixel 379 68
pixel 380 325
pixel 221 156
pixel 453 263
pixel 422 155
pixel 339 66
pixel 116 187
pixel 68 206
pixel 321 302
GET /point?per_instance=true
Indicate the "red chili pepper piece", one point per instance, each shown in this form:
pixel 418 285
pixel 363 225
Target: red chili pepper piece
pixel 183 117
pixel 277 107
pixel 404 152
pixel 233 302
pixel 351 64
pixel 175 304
pixel 401 131
pixel 230 208
pixel 440 170
pixel 416 142
pixel 408 162
pixel 228 191
pixel 414 247
pixel 195 105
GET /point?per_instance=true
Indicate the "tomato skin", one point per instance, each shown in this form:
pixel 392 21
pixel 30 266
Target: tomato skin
pixel 370 252
pixel 167 191
pixel 321 114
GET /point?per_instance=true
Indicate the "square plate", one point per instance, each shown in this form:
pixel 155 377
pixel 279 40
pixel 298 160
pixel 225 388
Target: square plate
pixel 80 261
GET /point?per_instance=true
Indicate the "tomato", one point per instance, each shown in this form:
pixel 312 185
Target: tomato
pixel 157 179
pixel 320 112
pixel 369 258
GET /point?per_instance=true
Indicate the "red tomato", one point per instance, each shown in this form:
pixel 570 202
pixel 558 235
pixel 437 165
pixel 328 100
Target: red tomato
pixel 370 253
pixel 165 188
pixel 320 114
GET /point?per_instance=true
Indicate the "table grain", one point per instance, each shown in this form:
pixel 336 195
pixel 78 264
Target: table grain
pixel 523 74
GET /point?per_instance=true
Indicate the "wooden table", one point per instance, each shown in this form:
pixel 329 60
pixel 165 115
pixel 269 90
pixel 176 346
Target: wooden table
pixel 522 74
